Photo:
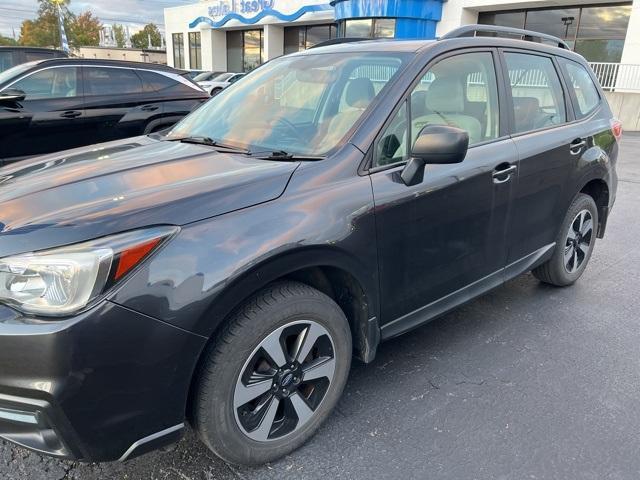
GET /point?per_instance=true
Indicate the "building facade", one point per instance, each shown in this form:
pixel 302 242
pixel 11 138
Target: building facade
pixel 239 35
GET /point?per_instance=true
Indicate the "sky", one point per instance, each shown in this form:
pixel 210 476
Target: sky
pixel 135 13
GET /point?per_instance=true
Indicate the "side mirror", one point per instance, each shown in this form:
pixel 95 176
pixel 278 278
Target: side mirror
pixel 12 95
pixel 436 144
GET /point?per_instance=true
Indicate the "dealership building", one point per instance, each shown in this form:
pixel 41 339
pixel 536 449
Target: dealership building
pixel 239 35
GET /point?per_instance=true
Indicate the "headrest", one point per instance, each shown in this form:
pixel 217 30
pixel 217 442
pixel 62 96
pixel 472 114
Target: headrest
pixel 526 103
pixel 419 104
pixel 445 95
pixel 360 92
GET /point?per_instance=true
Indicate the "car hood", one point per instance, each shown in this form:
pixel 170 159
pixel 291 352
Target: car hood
pixel 90 192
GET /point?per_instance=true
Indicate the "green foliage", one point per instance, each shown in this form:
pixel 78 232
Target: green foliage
pixel 141 39
pixel 43 31
pixel 7 41
pixel 120 35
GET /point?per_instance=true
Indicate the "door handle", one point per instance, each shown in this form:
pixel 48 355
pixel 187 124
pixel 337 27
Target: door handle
pixel 503 172
pixel 149 108
pixel 71 114
pixel 576 146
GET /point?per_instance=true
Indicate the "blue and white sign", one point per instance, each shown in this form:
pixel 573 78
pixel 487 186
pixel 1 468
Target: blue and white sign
pixel 250 12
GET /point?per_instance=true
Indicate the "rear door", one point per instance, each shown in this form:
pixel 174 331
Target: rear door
pixel 549 144
pixel 117 104
pixel 49 119
pixel 175 94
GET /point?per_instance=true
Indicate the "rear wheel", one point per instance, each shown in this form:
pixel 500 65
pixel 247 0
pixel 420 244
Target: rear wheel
pixel 273 375
pixel 574 244
pixel 215 91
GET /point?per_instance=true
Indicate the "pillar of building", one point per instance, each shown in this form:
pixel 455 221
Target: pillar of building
pixel 273 41
pixel 454 15
pixel 631 51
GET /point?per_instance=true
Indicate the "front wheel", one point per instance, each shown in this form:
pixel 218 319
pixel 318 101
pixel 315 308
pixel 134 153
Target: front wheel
pixel 574 244
pixel 273 375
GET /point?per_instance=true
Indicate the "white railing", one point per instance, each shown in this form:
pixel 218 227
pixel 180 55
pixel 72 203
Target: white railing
pixel 617 76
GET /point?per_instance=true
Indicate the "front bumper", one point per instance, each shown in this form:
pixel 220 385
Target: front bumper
pixel 105 385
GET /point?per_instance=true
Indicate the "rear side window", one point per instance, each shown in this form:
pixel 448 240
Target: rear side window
pixel 111 81
pixel 35 55
pixel 538 100
pixel 585 91
pixel 157 82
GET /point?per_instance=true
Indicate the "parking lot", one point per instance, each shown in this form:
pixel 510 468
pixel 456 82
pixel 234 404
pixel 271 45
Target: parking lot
pixel 527 382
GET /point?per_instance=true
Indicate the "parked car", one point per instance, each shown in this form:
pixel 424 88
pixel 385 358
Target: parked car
pixel 12 56
pixel 52 105
pixel 205 76
pixel 216 84
pixel 224 273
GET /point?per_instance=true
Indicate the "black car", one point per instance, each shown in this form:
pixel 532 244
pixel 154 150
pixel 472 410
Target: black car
pixel 224 273
pixel 12 56
pixel 52 105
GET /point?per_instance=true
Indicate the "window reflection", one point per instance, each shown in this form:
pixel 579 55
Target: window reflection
pixel 596 32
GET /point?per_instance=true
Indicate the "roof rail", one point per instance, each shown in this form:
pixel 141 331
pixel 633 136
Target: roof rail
pixel 337 41
pixel 528 35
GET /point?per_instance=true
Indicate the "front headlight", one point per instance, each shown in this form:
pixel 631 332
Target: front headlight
pixel 64 280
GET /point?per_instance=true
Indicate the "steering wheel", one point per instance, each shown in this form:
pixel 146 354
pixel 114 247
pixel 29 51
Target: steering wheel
pixel 291 127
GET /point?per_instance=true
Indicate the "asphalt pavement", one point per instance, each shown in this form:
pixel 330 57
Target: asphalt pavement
pixel 526 382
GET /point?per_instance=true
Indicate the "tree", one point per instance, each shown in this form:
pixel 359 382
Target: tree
pixel 4 41
pixel 44 30
pixel 85 30
pixel 141 39
pixel 120 35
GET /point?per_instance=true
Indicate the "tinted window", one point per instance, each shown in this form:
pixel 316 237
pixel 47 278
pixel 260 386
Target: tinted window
pixel 460 91
pixel 585 91
pixel 195 51
pixel 6 60
pixel 538 100
pixel 164 84
pixel 35 55
pixel 111 81
pixel 178 50
pixel 50 83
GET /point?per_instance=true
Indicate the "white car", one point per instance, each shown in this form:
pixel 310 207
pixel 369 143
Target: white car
pixel 217 84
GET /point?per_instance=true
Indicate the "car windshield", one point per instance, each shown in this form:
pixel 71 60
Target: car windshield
pixel 299 104
pixel 13 72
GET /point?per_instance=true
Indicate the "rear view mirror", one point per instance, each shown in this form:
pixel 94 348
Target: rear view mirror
pixel 12 95
pixel 436 144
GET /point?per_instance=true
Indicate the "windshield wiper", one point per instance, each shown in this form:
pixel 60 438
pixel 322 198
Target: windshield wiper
pixel 210 142
pixel 281 155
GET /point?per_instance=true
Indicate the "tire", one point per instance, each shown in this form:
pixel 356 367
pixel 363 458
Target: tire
pixel 285 311
pixel 572 251
pixel 215 92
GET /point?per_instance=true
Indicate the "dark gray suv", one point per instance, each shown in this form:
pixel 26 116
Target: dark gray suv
pixel 225 273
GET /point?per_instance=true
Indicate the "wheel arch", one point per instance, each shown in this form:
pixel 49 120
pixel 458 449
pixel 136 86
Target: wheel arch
pixel 598 189
pixel 333 272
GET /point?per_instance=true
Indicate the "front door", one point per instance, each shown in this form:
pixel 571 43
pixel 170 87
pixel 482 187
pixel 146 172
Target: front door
pixel 447 233
pixel 49 119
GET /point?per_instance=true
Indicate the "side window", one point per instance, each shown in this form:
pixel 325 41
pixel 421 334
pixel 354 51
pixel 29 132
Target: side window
pixel 111 81
pixel 393 145
pixel 161 83
pixel 460 91
pixel 585 91
pixel 538 100
pixel 50 83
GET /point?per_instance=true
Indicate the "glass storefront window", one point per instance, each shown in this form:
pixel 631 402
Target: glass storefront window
pixel 195 51
pixel 252 57
pixel 596 32
pixel 384 28
pixel 504 19
pixel 234 51
pixel 360 28
pixel 297 39
pixel 560 22
pixel 178 50
pixel 604 22
pixel 369 28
